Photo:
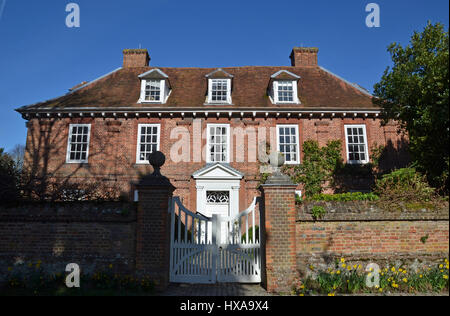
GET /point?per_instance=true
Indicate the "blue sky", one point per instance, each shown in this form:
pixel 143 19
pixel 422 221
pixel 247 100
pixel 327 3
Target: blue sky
pixel 40 58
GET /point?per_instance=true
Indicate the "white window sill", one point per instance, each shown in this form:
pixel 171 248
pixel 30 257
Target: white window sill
pixel 361 163
pixel 150 102
pixel 141 163
pixel 283 103
pixel 218 103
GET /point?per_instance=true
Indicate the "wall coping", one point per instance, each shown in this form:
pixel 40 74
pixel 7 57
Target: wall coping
pixel 359 211
pixel 84 212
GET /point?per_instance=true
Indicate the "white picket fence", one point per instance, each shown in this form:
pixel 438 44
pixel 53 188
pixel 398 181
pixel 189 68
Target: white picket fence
pixel 201 252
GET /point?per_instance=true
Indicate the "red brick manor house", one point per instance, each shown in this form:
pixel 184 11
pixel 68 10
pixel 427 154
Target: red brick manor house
pixel 210 124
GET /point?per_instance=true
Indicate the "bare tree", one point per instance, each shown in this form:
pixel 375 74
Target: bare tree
pixel 18 154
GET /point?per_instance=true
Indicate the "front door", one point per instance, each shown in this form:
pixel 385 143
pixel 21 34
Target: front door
pixel 218 203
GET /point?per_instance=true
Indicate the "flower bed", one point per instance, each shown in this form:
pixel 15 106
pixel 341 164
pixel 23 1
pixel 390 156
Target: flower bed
pixel 353 279
pixel 34 279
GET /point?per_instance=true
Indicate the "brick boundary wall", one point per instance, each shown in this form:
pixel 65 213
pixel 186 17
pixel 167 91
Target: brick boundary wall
pixel 362 232
pixel 93 235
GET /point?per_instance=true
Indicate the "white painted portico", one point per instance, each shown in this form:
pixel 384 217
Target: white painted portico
pixel 218 178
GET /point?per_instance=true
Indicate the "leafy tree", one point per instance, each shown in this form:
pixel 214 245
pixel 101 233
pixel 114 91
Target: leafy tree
pixel 8 179
pixel 415 92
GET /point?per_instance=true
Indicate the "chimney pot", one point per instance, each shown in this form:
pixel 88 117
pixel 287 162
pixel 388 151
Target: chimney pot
pixel 304 56
pixel 134 58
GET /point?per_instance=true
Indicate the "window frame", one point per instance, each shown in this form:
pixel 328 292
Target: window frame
pixel 297 135
pixel 69 143
pixel 366 144
pixel 210 85
pixel 138 144
pixel 208 144
pixel 294 92
pixel 162 88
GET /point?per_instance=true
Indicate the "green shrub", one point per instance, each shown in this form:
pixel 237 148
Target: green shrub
pixel 404 185
pixel 344 197
pixel 318 212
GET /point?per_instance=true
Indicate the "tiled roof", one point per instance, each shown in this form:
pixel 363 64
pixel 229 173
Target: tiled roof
pixel 318 89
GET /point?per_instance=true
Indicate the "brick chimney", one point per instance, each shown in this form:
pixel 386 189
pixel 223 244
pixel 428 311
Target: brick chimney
pixel 304 56
pixel 133 58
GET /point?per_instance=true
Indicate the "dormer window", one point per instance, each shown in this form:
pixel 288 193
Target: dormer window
pixel 284 91
pixel 219 87
pixel 155 87
pixel 153 90
pixel 283 88
pixel 220 91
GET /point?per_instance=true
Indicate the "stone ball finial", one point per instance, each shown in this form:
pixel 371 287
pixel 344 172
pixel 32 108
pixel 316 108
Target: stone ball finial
pixel 276 159
pixel 157 160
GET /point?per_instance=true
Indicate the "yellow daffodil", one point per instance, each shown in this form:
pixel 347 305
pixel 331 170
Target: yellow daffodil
pixel 405 280
pixel 342 260
pixel 445 277
pixel 338 272
pixel 332 294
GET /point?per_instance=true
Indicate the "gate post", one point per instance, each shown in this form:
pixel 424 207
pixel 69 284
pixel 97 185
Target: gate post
pixel 153 225
pixel 278 218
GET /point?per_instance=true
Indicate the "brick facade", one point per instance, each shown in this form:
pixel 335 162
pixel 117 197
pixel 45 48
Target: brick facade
pixel 113 146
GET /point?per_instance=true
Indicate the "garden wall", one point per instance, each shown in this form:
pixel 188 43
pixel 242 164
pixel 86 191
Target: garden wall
pixel 363 232
pixel 95 236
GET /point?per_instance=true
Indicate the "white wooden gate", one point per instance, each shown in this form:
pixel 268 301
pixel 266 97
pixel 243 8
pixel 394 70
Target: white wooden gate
pixel 201 253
